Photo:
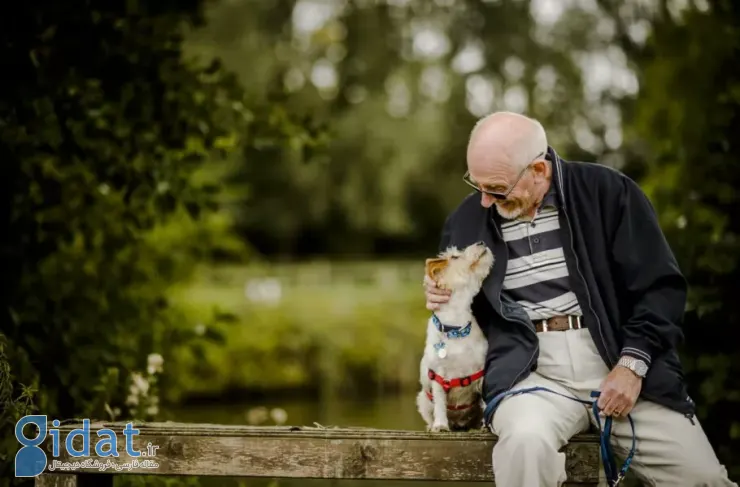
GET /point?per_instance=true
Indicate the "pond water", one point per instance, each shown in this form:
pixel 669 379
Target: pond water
pixel 392 411
pixel 385 412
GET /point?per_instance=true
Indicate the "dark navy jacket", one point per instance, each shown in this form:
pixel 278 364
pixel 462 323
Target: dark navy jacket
pixel 622 271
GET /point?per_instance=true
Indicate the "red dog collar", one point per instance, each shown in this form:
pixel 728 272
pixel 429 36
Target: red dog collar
pixel 448 384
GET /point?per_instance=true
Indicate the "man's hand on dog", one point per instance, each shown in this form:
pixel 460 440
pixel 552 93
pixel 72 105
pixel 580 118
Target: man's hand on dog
pixel 435 295
pixel 619 392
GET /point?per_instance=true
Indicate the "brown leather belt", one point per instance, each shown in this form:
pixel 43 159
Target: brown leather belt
pixel 559 323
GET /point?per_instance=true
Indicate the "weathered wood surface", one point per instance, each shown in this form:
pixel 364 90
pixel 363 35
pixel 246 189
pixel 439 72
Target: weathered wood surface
pixel 72 480
pixel 56 480
pixel 312 452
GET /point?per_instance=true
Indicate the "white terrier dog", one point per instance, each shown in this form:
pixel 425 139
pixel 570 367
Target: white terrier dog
pixel 455 352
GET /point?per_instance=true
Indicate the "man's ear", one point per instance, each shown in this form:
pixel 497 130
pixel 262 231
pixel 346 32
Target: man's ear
pixel 540 169
pixel 434 267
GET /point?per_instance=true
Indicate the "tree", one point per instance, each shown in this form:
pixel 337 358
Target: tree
pixel 400 85
pixel 105 128
pixel 686 121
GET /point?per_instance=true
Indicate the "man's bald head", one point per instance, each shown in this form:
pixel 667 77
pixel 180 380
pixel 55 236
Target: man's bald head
pixel 506 135
pixel 506 156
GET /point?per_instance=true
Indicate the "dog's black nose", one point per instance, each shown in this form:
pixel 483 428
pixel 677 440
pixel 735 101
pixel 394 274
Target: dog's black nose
pixel 481 243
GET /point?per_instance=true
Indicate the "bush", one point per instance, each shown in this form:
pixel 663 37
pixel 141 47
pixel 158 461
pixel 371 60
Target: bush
pixel 105 132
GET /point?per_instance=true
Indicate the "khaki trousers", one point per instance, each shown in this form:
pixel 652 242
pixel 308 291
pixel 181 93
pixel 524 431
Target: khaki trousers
pixel 532 427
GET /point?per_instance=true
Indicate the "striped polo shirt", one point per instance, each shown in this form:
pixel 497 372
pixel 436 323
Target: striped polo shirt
pixel 536 274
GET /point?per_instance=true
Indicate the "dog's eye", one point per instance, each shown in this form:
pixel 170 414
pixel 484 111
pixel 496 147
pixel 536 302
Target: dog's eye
pixel 455 257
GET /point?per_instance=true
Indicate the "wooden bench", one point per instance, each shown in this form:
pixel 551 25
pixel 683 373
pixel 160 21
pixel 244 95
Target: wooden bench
pixel 300 452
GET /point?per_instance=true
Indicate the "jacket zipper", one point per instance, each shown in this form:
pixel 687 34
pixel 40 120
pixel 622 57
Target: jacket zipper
pixel 578 269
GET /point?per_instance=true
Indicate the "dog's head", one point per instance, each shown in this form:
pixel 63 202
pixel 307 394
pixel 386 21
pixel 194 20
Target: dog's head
pixel 464 269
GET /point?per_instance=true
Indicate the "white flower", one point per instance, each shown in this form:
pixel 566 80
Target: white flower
pixel 279 415
pixel 152 410
pixel 257 415
pixel 154 363
pixel 139 385
pixel 268 291
pixel 132 400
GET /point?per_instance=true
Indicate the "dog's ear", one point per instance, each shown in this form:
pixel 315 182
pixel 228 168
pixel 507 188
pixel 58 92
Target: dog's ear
pixel 434 267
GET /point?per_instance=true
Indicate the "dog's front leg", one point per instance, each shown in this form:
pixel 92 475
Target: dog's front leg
pixel 439 398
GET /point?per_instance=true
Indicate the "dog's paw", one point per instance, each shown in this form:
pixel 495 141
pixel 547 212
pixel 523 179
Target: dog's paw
pixel 437 427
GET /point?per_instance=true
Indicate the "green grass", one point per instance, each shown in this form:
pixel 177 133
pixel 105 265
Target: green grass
pixel 337 327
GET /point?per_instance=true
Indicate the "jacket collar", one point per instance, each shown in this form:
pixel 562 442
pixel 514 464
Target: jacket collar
pixel 551 198
pixel 557 175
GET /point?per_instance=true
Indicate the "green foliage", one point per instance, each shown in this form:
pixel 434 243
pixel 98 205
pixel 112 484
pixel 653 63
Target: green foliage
pixel 15 402
pixel 107 136
pixel 316 327
pixel 688 115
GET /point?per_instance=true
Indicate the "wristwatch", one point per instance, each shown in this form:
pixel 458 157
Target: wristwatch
pixel 637 366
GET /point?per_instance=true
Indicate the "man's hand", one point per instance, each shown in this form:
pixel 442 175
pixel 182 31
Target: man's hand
pixel 619 392
pixel 435 296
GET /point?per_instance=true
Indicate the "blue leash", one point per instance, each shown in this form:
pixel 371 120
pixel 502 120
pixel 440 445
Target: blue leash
pixel 613 475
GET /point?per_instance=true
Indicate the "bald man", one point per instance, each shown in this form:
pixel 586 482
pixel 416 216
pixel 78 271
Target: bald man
pixel 584 295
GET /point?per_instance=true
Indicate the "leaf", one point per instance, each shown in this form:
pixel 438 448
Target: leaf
pixel 225 142
pixel 215 336
pixel 193 209
pixel 735 431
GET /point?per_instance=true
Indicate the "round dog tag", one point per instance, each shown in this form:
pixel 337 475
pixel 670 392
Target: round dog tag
pixel 441 353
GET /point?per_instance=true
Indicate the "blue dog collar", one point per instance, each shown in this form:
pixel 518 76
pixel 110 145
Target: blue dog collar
pixel 452 331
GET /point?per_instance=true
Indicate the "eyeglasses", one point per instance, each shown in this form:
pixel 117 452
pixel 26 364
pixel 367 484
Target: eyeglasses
pixel 495 194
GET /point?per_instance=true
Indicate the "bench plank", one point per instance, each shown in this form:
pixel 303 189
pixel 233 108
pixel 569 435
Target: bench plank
pixel 56 480
pixel 322 453
pixel 73 480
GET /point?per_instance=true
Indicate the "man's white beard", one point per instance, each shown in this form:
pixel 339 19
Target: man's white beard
pixel 510 214
pixel 521 208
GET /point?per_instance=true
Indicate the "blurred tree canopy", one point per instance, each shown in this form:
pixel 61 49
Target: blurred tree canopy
pixel 687 120
pixel 401 83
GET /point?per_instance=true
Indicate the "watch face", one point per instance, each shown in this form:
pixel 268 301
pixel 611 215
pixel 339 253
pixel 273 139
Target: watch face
pixel 640 368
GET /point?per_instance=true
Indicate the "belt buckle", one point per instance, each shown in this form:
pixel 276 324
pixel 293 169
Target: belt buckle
pixel 575 322
pixel 544 325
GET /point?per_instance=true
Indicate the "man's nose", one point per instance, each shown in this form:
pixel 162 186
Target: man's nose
pixel 487 200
